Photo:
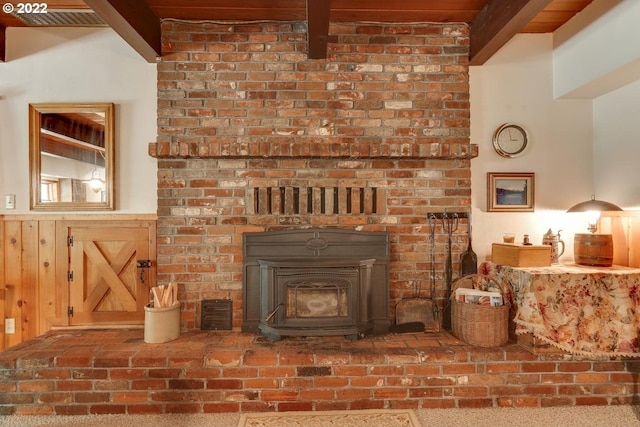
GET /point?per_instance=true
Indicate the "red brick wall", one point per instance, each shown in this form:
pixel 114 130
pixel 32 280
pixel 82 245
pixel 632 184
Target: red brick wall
pixel 246 121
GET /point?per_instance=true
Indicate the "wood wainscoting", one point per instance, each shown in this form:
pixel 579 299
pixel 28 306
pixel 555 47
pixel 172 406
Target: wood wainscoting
pixel 625 228
pixel 74 271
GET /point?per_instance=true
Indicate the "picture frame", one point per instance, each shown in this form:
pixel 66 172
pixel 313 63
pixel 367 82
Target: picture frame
pixel 510 192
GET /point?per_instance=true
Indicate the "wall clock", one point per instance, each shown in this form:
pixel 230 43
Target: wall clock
pixel 510 140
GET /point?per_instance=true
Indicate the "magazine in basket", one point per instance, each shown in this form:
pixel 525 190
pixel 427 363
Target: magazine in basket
pixel 473 296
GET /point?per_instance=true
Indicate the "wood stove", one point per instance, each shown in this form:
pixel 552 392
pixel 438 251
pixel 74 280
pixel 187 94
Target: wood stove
pixel 316 282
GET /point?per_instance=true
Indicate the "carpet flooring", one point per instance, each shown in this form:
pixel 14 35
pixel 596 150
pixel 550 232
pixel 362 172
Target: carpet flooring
pixel 580 416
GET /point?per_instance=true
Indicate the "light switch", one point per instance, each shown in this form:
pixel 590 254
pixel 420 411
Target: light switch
pixel 10 325
pixel 10 201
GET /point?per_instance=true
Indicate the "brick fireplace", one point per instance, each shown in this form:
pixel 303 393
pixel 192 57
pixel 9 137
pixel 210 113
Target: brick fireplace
pixel 253 137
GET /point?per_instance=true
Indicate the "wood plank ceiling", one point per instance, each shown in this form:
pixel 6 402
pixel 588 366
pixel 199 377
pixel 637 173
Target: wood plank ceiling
pixel 493 22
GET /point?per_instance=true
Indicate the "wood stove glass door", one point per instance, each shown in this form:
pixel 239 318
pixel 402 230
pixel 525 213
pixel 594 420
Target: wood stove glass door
pixel 311 298
pixel 315 299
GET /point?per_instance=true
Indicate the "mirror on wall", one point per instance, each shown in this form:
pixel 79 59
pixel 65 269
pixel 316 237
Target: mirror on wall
pixel 71 156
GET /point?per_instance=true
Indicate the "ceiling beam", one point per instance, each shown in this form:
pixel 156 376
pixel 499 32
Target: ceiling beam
pixel 135 22
pixel 318 12
pixel 3 44
pixel 497 23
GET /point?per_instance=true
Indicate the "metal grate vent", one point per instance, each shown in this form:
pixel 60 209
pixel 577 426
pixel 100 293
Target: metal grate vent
pixel 63 18
pixel 315 200
pixel 216 315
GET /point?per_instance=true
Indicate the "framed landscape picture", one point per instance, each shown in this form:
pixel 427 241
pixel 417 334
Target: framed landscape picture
pixel 510 191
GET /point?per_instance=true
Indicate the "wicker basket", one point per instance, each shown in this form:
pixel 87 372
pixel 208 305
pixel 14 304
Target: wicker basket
pixel 477 324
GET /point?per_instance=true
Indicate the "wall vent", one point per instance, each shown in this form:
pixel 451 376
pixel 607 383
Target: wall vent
pixel 216 315
pixel 315 200
pixel 62 18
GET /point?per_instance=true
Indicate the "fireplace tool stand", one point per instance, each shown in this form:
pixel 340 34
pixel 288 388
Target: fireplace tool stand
pixel 420 314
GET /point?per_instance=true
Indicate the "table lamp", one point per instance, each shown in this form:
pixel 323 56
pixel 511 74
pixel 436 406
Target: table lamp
pixel 593 249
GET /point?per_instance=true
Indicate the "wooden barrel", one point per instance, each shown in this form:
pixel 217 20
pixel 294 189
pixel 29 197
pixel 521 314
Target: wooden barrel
pixel 593 249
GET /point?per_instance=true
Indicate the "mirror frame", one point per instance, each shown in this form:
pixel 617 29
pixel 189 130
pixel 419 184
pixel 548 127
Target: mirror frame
pixel 35 114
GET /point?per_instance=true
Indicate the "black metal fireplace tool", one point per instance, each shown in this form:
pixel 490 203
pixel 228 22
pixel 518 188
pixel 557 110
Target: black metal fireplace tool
pixel 450 225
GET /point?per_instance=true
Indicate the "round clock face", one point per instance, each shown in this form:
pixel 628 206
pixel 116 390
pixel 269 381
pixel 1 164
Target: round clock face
pixel 510 140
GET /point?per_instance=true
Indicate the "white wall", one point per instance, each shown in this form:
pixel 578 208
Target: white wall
pixel 78 65
pixel 617 146
pixel 516 85
pixel 597 56
pixel 597 51
pixel 577 92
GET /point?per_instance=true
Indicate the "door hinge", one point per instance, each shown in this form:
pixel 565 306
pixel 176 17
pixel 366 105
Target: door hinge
pixel 69 240
pixel 70 276
pixel 70 311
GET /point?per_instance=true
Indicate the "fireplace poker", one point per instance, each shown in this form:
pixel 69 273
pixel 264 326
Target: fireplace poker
pixel 432 232
pixel 450 225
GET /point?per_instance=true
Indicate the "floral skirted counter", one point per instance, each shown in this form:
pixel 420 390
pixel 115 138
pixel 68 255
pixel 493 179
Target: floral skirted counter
pixel 579 309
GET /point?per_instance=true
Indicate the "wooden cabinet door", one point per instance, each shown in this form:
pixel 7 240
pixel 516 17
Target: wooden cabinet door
pixel 105 285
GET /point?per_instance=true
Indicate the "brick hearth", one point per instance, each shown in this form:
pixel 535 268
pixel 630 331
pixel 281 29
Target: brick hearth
pixel 99 372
